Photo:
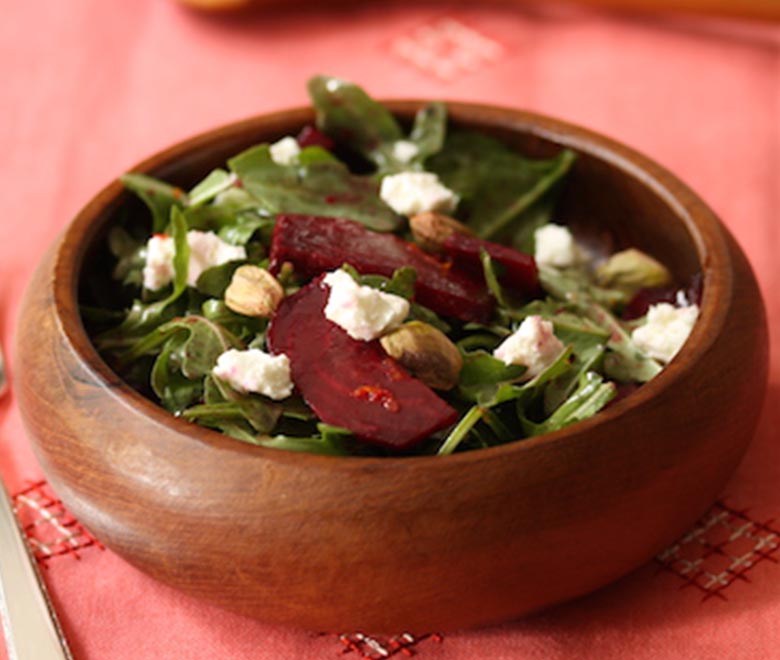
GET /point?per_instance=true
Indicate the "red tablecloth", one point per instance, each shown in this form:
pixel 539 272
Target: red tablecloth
pixel 90 87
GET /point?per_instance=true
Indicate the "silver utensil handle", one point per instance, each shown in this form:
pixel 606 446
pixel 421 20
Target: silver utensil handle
pixel 31 628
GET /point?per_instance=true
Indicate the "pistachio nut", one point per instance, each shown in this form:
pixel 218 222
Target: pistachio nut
pixel 426 352
pixel 631 270
pixel 430 229
pixel 253 291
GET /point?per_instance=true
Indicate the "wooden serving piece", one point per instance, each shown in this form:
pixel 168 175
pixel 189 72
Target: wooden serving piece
pixel 425 543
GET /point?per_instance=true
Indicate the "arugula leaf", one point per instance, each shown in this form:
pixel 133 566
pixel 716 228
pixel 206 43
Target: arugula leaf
pixel 351 117
pixel 400 284
pixel 130 256
pixel 418 312
pixel 323 187
pixel 429 130
pixel 310 445
pixel 181 257
pixel 213 281
pixel 560 388
pixel 461 430
pixel 246 329
pixel 143 317
pixel 573 329
pixel 159 197
pixel 201 342
pixel 529 390
pixel 482 374
pixel 173 388
pixel 483 340
pixel 496 185
pixel 190 348
pixel 240 419
pixel 564 283
pixel 430 127
pixel 481 368
pixel 491 279
pixel 625 362
pixel 591 395
pixel 314 154
pixel 216 182
pixel 261 413
pixel 244 227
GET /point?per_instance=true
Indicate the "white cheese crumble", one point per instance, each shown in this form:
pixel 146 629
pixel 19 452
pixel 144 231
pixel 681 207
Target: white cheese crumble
pixel 364 313
pixel 405 150
pixel 206 250
pixel 285 151
pixel 254 370
pixel 409 193
pixel 555 246
pixel 158 269
pixel 665 330
pixel 533 344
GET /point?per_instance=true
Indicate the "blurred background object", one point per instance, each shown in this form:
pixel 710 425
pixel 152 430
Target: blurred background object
pixel 766 10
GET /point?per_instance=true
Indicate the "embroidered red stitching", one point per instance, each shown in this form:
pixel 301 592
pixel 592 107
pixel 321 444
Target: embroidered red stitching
pixel 446 48
pixel 369 647
pixel 50 529
pixel 710 564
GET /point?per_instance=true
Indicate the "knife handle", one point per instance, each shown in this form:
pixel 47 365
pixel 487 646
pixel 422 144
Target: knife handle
pixel 30 624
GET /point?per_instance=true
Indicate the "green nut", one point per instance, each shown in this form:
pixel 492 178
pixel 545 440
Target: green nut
pixel 631 270
pixel 426 352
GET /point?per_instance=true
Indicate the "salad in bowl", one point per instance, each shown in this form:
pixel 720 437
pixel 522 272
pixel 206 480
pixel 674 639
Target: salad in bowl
pixel 367 288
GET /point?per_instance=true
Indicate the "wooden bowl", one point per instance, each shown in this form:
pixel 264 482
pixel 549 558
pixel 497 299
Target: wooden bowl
pixel 424 543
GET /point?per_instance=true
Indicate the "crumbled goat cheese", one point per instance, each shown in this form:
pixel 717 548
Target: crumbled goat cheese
pixel 555 246
pixel 404 151
pixel 158 269
pixel 206 250
pixel 665 330
pixel 533 344
pixel 365 313
pixel 254 370
pixel 408 193
pixel 285 151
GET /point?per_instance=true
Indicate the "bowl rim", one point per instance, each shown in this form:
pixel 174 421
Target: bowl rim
pixel 700 222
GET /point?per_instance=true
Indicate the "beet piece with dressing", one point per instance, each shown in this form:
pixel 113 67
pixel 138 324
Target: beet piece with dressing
pixel 315 244
pixel 352 383
pixel 520 273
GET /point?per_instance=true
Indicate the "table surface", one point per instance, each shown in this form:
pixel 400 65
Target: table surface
pixel 90 87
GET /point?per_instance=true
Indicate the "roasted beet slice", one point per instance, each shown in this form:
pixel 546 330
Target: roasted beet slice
pixel 314 245
pixel 519 269
pixel 351 383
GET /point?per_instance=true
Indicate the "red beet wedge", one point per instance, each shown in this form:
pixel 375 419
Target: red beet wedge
pixel 519 269
pixel 351 383
pixel 315 244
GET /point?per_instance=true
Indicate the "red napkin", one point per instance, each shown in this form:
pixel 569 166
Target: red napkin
pixel 90 87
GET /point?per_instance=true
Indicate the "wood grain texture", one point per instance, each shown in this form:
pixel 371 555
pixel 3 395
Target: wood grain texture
pixel 428 543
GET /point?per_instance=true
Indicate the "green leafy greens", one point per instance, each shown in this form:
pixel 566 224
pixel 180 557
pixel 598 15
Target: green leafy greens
pixel 167 342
